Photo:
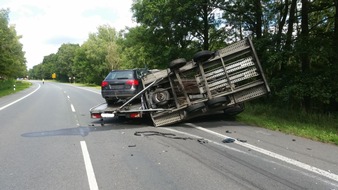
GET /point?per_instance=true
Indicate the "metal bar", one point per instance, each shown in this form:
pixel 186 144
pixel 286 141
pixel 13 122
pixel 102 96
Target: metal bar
pixel 145 110
pixel 259 65
pixel 233 48
pixel 182 86
pixel 173 91
pixel 205 80
pixel 146 88
pixel 226 74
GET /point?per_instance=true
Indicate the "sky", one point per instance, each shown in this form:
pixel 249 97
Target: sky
pixel 47 24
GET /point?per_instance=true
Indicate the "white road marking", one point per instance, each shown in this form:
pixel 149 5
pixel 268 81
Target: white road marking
pixel 89 167
pixel 72 107
pixel 86 89
pixel 246 153
pixel 68 97
pixel 274 155
pixel 198 137
pixel 3 107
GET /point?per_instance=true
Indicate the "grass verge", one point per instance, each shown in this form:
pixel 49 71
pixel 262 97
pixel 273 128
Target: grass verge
pixel 323 128
pixel 7 87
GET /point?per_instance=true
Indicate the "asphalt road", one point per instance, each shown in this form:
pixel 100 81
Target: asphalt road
pixel 48 141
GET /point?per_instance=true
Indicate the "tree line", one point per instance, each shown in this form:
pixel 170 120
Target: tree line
pixel 296 41
pixel 12 57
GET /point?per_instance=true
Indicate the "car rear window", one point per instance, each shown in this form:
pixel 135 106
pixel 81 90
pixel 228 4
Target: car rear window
pixel 116 75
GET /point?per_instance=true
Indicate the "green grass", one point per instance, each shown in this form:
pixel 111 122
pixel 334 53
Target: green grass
pixel 7 87
pixel 319 127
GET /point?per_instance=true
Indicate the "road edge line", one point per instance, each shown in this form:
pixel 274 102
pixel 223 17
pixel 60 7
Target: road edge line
pixel 291 161
pixel 16 101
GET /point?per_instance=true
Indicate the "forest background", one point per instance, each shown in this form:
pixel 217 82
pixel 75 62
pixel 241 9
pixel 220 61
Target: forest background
pixel 296 41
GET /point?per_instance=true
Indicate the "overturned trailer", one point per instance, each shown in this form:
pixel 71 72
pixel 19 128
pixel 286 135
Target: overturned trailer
pixel 211 82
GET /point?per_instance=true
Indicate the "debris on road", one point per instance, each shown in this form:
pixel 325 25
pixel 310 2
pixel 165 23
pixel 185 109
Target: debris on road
pixel 168 135
pixel 133 145
pixel 202 141
pixel 153 133
pixel 241 140
pixel 228 140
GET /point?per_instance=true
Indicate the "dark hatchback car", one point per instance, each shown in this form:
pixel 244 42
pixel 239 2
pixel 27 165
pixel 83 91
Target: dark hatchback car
pixel 122 84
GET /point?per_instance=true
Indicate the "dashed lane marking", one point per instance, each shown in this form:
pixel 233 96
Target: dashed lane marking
pixel 89 167
pixel 72 107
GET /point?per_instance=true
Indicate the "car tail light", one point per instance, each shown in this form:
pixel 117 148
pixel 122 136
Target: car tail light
pixel 135 115
pixel 104 84
pixel 132 82
pixel 96 115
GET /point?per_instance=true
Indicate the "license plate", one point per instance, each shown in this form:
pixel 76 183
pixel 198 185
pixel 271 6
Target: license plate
pixel 107 115
pixel 116 87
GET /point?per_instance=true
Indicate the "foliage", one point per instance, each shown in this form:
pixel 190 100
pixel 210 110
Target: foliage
pixel 321 127
pixel 88 63
pixel 7 86
pixel 12 60
pixel 296 42
pixel 97 56
pixel 171 29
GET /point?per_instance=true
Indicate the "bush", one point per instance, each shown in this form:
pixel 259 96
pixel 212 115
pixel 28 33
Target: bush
pixel 6 84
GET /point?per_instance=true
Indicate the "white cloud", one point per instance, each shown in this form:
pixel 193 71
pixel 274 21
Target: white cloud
pixel 45 25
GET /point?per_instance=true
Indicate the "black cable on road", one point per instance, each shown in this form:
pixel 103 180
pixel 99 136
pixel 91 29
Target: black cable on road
pixel 167 135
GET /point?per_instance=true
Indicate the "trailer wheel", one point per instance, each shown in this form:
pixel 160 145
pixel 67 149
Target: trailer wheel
pixel 195 107
pixel 234 110
pixel 202 56
pixel 217 101
pixel 177 63
pixel 160 96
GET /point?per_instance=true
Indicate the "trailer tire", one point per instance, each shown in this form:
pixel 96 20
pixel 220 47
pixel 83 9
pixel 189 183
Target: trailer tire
pixel 234 109
pixel 195 107
pixel 202 56
pixel 177 63
pixel 217 101
pixel 160 96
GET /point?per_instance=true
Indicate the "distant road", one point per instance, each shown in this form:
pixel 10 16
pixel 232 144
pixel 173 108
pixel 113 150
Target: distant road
pixel 49 141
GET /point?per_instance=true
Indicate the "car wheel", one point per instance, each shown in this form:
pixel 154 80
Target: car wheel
pixel 217 101
pixel 160 96
pixel 177 63
pixel 195 107
pixel 203 55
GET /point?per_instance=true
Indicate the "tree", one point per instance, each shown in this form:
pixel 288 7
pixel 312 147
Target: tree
pixel 97 56
pixel 296 41
pixel 65 61
pixel 12 60
pixel 178 28
pixel 135 49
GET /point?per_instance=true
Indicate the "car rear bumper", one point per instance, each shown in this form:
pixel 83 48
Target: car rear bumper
pixel 109 94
